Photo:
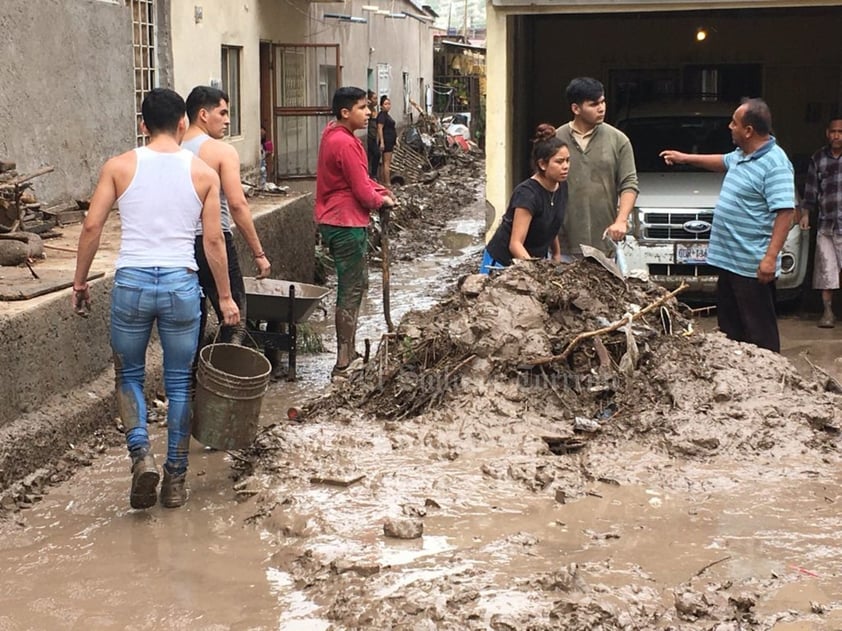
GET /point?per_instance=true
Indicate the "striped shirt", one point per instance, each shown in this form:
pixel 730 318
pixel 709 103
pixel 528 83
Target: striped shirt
pixel 823 190
pixel 755 188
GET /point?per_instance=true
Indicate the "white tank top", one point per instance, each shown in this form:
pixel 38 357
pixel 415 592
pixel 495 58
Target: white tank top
pixel 159 212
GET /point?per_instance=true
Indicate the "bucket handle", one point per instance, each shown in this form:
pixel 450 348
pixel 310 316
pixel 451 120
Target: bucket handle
pixel 216 337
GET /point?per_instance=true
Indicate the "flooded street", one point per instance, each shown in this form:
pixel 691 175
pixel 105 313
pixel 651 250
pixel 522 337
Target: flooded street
pixel 640 534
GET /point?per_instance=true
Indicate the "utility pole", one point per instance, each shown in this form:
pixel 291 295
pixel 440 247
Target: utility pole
pixel 465 23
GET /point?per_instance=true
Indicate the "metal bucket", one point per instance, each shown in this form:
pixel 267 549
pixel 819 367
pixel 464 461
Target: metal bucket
pixel 230 383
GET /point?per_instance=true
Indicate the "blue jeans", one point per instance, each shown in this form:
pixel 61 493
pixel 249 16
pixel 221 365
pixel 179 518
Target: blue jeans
pixel 139 298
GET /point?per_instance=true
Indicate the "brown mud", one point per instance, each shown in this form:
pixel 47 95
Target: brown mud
pixel 470 478
pixel 469 427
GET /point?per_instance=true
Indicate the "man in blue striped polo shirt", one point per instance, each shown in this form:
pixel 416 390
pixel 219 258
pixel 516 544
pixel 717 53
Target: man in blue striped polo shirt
pixel 754 213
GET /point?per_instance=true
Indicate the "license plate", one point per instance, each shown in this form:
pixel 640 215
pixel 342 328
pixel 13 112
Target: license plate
pixel 691 253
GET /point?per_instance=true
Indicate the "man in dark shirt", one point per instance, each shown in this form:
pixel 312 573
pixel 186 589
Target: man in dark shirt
pixel 823 193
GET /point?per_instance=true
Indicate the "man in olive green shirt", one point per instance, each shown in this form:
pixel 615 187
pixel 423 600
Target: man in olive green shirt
pixel 602 183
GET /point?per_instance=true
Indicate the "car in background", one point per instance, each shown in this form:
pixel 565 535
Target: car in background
pixel 673 214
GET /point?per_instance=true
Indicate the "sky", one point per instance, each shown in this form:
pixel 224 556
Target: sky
pixel 454 10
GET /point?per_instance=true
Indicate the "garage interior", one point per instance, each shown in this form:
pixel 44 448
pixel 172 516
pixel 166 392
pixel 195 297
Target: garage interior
pixel 788 56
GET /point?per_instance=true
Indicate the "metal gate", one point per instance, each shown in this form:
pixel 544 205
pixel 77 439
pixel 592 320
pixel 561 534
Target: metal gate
pixel 305 78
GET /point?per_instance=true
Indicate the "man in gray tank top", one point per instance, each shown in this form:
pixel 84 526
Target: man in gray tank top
pixel 207 110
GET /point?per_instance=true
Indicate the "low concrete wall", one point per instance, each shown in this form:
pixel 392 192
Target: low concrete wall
pixel 56 381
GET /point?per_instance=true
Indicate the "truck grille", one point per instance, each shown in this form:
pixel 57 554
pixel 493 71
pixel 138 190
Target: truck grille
pixel 670 225
pixel 662 269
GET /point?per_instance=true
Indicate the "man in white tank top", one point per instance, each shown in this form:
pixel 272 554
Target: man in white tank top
pixel 207 111
pixel 163 193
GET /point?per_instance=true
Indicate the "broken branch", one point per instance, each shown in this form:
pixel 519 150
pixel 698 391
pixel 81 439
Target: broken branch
pixel 540 361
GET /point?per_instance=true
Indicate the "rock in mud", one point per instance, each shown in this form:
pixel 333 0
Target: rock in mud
pixel 472 285
pixel 398 528
pixel 691 605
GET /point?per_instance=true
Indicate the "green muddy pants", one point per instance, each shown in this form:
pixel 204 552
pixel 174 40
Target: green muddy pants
pixel 348 248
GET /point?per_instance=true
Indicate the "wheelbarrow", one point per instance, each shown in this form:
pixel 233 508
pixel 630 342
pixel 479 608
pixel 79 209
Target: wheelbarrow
pixel 274 308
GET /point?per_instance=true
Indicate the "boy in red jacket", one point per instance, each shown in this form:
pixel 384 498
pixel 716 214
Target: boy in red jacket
pixel 345 197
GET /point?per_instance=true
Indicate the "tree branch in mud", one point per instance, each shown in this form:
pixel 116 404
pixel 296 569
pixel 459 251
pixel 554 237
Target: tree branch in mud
pixel 711 564
pixel 540 361
pixel 831 384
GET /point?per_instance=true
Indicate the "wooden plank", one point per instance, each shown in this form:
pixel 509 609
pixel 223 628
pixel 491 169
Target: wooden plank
pixel 17 283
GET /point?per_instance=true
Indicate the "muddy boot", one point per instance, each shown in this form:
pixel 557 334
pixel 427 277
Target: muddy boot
pixel 344 338
pixel 354 355
pixel 173 491
pixel 828 320
pixel 145 478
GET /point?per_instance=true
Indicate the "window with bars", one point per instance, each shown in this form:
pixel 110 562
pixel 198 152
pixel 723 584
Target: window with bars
pixel 231 85
pixel 143 45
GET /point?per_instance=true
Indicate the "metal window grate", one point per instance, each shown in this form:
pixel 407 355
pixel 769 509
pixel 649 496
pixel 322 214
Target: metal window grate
pixel 145 54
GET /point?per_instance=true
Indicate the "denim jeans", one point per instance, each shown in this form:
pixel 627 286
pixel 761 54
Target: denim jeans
pixel 142 296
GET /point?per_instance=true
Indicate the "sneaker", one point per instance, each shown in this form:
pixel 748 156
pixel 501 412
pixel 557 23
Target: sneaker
pixel 145 478
pixel 173 491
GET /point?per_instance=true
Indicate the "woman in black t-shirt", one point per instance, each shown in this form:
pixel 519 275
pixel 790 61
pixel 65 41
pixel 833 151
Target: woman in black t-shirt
pixel 529 229
pixel 387 137
pixel 372 146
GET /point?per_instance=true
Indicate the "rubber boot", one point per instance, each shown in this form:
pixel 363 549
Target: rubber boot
pixel 173 490
pixel 145 478
pixel 828 320
pixel 345 324
pixel 353 353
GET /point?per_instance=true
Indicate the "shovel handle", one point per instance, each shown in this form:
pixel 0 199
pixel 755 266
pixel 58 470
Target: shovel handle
pixel 384 255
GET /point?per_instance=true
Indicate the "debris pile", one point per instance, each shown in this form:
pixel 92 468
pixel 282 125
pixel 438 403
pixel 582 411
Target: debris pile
pixel 21 217
pixel 425 207
pixel 579 348
pixel 19 209
pixel 426 146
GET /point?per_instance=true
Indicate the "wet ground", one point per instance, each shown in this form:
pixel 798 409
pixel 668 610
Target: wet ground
pixel 662 542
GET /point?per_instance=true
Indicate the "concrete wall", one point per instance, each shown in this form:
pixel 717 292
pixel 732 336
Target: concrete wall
pixel 405 44
pixel 197 59
pixel 66 86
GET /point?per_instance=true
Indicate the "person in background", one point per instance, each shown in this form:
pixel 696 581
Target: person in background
pixel 345 197
pixel 603 178
pixel 163 193
pixel 267 163
pixel 207 110
pixel 372 145
pixel 536 210
pixel 823 197
pixel 750 222
pixel 387 137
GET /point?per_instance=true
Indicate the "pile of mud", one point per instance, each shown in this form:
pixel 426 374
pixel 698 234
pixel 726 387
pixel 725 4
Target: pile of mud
pixel 539 386
pixel 601 356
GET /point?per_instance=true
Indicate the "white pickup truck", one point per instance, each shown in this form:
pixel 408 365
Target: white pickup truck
pixel 674 211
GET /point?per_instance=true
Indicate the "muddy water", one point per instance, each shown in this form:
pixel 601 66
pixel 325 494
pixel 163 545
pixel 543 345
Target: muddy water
pixel 80 559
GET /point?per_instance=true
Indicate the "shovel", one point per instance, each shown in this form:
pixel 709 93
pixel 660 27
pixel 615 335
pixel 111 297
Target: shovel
pixel 384 255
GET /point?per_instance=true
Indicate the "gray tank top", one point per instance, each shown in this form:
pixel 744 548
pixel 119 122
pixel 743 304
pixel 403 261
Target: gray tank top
pixel 193 145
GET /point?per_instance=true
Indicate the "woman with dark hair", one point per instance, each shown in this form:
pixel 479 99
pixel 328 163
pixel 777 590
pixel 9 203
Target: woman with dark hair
pixel 387 137
pixel 372 147
pixel 529 229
